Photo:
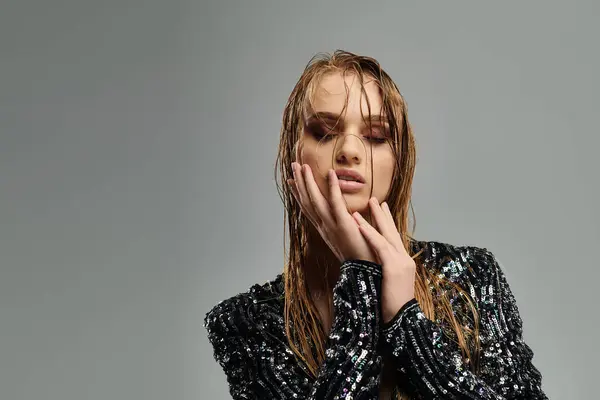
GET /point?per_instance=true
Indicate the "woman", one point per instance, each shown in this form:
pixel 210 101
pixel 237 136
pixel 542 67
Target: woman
pixel 362 310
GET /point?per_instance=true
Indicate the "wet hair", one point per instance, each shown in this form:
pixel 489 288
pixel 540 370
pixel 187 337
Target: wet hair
pixel 303 327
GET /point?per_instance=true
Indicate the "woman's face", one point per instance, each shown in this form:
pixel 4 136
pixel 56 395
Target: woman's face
pixel 351 144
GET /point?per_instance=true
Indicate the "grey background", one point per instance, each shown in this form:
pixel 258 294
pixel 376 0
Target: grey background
pixel 137 144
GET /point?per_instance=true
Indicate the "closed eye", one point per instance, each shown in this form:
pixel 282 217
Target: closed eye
pixel 319 132
pixel 378 136
pixel 376 139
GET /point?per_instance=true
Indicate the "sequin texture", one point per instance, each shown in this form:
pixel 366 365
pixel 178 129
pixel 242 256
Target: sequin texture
pixel 248 337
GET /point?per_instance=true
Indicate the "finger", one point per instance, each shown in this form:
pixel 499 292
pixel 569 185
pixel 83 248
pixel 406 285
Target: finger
pixel 378 243
pixel 387 229
pixel 378 218
pixel 302 193
pixel 305 212
pixel 296 194
pixel 294 189
pixel 338 204
pixel 319 202
pixel 396 239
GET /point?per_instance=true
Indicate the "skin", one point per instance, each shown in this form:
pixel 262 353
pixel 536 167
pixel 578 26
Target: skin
pixel 341 226
pixel 352 145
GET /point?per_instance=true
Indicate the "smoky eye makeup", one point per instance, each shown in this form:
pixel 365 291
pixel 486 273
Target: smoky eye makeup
pixel 322 132
pixel 319 131
pixel 376 138
pixel 378 132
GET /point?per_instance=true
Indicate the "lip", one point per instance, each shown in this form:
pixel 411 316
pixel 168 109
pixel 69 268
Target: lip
pixel 350 173
pixel 350 186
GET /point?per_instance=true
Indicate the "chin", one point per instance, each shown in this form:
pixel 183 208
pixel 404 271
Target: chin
pixel 357 203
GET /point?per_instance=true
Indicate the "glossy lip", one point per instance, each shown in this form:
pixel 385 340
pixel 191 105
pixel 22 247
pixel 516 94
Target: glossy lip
pixel 350 173
pixel 350 186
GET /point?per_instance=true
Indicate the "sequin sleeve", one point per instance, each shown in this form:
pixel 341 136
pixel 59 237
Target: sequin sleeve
pixel 352 365
pixel 228 335
pixel 434 364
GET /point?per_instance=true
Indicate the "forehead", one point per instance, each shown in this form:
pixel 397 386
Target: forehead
pixel 334 89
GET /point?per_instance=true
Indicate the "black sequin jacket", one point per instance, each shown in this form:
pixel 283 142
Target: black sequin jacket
pixel 248 336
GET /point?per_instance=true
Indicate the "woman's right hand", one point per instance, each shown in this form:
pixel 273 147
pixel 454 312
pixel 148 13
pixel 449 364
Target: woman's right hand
pixel 331 218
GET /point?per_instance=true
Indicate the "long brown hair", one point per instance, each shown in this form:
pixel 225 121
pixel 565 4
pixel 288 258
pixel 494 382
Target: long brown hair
pixel 305 333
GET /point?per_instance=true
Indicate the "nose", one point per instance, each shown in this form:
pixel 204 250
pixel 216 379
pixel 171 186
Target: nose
pixel 349 149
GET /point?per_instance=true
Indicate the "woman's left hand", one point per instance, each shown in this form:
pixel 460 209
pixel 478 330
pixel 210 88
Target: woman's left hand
pixel 398 267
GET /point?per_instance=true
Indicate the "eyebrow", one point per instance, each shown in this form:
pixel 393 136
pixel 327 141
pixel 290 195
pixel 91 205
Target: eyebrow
pixel 332 117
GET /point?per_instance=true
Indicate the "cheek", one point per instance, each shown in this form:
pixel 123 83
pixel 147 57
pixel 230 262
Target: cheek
pixel 318 159
pixel 383 173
